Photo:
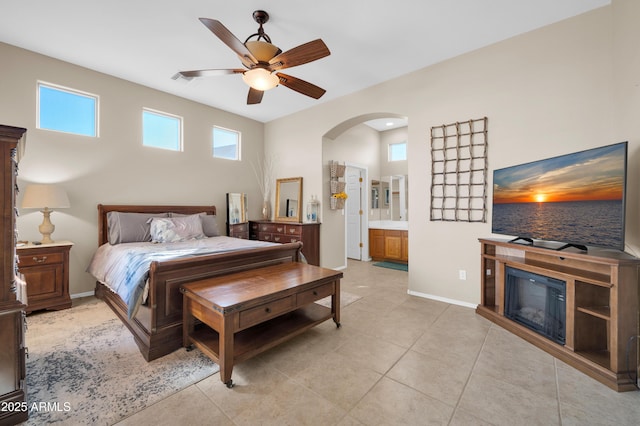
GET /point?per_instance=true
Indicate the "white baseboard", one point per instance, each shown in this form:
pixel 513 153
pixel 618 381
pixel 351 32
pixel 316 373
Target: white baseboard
pixel 443 299
pixel 85 294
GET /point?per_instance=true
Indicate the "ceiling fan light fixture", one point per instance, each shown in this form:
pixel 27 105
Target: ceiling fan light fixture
pixel 260 79
pixel 261 50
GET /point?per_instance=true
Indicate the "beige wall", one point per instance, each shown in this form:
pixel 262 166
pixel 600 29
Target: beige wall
pixel 115 168
pixel 546 93
pixel 388 137
pixel 626 102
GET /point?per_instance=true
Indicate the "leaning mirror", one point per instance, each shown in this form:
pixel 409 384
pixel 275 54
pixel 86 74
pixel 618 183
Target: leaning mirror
pixel 288 199
pixel 236 208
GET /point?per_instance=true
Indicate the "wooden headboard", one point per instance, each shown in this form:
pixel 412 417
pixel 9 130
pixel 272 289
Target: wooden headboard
pixel 103 209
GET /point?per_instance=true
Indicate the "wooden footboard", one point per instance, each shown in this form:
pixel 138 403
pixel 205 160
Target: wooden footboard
pixel 157 326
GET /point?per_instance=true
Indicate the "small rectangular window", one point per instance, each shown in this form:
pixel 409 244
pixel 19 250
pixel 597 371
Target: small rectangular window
pixel 161 130
pixel 226 143
pixel 67 110
pixel 398 151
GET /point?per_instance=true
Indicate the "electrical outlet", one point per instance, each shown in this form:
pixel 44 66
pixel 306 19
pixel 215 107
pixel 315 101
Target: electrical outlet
pixel 462 274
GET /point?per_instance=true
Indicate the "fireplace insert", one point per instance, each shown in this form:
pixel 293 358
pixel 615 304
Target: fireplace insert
pixel 537 302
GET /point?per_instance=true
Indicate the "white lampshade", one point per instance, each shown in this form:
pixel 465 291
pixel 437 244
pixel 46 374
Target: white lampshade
pixel 40 196
pixel 45 197
pixel 260 79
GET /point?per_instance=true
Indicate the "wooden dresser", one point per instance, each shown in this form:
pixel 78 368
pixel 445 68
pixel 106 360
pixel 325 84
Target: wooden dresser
pixel 46 270
pixel 289 232
pixel 13 394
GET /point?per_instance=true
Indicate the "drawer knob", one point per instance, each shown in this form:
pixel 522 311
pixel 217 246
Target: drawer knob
pixel 267 310
pixel 315 293
pixel 40 259
pixel 279 229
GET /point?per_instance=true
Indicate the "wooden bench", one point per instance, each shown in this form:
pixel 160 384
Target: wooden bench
pixel 246 313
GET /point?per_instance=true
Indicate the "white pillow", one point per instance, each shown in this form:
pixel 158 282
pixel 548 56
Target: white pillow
pixel 174 229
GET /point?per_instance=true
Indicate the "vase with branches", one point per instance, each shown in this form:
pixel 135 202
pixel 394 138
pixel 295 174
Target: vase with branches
pixel 264 169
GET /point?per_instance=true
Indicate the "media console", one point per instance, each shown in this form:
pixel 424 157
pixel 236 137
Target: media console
pixel 601 305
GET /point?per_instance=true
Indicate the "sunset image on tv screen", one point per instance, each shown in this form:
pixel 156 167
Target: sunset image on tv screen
pixel 577 197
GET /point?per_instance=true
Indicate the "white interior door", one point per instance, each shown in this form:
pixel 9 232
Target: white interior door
pixel 354 212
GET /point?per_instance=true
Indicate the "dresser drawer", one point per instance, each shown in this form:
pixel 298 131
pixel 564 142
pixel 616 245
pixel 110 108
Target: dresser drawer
pixel 316 293
pixel 240 227
pixel 293 230
pixel 264 236
pixel 277 228
pixel 266 311
pixel 290 239
pixel 278 238
pixel 37 259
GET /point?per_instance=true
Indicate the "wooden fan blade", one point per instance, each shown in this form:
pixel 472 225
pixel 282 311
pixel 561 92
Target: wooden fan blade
pixel 228 38
pixel 254 96
pixel 301 86
pixel 210 73
pixel 302 54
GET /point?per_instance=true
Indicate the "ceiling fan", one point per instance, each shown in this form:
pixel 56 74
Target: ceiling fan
pixel 262 60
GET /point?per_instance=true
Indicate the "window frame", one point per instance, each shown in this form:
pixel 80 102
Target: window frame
pixel 180 119
pixel 75 92
pixel 390 150
pixel 238 144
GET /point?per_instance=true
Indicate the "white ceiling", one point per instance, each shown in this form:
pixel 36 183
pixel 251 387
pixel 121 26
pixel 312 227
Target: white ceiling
pixel 148 41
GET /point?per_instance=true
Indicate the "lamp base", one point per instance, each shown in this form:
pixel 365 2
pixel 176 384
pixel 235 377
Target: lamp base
pixel 46 228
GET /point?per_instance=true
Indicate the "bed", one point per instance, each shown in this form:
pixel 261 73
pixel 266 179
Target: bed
pixel 156 324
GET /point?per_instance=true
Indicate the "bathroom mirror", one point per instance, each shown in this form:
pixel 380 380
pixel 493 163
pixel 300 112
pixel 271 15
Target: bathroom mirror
pixel 288 199
pixel 375 194
pixel 389 198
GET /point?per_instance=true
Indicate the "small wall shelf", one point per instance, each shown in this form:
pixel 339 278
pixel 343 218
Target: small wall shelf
pixel 336 185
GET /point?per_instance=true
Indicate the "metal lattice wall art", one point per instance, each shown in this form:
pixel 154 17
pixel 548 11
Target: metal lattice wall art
pixel 458 171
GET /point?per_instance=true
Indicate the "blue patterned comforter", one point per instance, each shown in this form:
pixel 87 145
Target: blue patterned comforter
pixel 124 268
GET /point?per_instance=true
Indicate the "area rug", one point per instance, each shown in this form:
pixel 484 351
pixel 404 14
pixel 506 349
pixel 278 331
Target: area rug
pixel 346 299
pixel 85 368
pixel 392 265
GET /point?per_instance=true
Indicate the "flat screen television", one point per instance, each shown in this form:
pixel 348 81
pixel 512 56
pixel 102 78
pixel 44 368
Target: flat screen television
pixel 577 199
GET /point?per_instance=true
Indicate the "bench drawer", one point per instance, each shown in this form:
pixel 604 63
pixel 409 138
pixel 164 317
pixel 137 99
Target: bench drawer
pixel 316 293
pixel 266 311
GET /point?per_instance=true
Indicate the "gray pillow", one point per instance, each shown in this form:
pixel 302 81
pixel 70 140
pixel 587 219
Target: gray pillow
pixel 209 223
pixel 130 227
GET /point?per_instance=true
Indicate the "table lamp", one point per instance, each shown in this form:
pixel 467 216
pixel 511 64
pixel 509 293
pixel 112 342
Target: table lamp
pixel 45 197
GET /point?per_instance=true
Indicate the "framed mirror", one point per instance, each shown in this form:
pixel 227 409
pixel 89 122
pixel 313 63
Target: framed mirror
pixel 236 208
pixel 288 199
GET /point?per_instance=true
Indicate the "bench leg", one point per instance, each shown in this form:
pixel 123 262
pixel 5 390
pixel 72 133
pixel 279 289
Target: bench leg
pixel 226 351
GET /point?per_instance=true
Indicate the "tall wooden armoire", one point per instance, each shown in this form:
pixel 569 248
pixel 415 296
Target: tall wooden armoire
pixel 13 395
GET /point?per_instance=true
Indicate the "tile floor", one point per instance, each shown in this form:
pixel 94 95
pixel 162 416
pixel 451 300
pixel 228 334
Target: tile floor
pixel 398 360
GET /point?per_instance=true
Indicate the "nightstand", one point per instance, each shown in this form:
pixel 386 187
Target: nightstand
pixel 46 271
pixel 239 230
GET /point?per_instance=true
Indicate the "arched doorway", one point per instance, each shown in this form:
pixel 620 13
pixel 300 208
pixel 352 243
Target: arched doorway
pixel 360 144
